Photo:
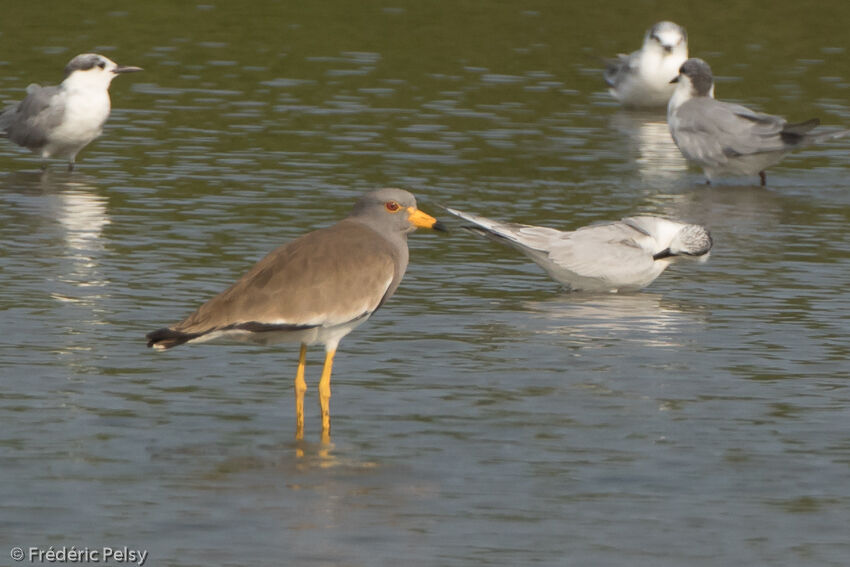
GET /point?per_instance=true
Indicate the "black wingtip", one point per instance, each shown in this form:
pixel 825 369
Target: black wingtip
pixel 800 128
pixel 167 338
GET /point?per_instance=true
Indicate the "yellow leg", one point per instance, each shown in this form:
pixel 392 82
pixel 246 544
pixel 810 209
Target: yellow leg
pixel 300 388
pixel 325 393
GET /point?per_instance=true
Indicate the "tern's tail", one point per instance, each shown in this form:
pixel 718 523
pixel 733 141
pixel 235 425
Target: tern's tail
pixel 6 118
pixel 826 136
pixel 487 227
pixel 521 236
pixel 800 133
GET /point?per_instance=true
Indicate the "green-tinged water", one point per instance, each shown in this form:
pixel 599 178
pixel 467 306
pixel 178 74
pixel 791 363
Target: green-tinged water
pixel 482 416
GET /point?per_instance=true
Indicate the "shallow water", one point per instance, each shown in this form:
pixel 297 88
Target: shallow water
pixel 483 416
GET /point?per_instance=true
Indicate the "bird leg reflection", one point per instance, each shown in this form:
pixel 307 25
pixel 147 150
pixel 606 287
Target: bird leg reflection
pixel 300 388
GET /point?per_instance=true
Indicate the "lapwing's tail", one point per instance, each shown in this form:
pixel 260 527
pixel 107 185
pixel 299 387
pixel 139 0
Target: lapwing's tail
pixel 167 338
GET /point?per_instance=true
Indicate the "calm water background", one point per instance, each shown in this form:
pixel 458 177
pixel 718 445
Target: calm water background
pixel 483 417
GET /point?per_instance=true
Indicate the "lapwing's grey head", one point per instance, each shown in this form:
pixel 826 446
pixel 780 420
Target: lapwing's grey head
pixel 96 68
pixel 695 74
pixel 692 241
pixel 668 37
pixel 392 210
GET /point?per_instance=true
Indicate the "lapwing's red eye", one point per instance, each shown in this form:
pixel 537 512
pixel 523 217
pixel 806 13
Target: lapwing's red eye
pixel 392 206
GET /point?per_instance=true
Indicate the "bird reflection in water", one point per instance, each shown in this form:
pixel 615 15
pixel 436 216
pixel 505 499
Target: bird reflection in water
pixel 656 156
pixel 645 319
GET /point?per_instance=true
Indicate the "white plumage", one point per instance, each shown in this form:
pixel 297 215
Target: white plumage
pixel 642 78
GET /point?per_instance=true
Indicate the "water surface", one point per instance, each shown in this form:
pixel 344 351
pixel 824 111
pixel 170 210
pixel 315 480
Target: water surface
pixel 483 416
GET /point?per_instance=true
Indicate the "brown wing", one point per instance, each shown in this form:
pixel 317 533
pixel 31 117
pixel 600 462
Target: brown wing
pixel 327 277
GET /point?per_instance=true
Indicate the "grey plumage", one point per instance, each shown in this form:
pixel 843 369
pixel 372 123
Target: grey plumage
pixel 625 255
pixel 29 122
pixel 83 62
pixel 731 139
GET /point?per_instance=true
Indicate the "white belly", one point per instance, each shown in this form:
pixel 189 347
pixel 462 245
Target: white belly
pixel 614 281
pixel 85 115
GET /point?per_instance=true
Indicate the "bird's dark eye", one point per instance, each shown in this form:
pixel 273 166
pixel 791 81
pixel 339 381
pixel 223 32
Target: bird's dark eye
pixel 101 65
pixel 392 206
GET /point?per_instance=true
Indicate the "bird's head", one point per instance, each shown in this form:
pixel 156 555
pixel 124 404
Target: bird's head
pixel 667 37
pixel 691 241
pixel 93 69
pixel 695 77
pixel 394 210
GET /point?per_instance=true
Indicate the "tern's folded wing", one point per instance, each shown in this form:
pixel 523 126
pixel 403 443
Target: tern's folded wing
pixel 617 69
pixel 30 122
pixel 711 131
pixel 611 252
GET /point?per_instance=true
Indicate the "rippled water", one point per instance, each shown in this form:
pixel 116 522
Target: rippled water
pixel 483 416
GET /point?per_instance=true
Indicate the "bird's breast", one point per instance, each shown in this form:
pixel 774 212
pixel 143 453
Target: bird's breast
pixel 85 114
pixel 677 99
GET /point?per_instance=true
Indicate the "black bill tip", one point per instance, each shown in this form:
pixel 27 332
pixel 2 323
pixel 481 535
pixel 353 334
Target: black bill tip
pixel 439 226
pixel 663 254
